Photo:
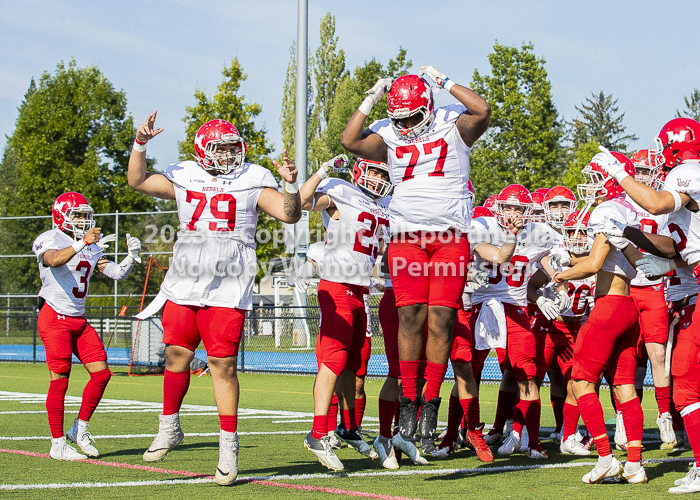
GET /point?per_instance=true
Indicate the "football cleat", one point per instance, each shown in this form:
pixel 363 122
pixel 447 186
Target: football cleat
pixel 573 447
pixel 493 437
pixel 586 440
pixel 524 440
pixel 620 434
pixel 79 434
pixel 355 441
pixel 427 445
pixel 666 432
pixel 475 441
pixel 60 450
pixel 633 473
pixel 227 469
pixel 462 437
pixel 409 449
pixel 408 417
pixel 446 447
pixel 385 451
pixel 556 436
pixel 169 436
pixel 693 474
pixel 428 422
pixel 323 451
pixel 537 452
pixel 603 470
pixel 334 441
pixel 681 440
pixel 511 444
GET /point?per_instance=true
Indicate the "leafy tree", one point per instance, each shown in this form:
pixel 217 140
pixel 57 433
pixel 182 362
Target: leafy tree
pixel 522 143
pixel 289 100
pixel 599 120
pixel 581 156
pixel 692 106
pixel 72 134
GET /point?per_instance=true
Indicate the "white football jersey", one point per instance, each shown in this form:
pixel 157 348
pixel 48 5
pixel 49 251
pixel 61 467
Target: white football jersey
pixel 353 240
pixel 620 210
pixel 684 225
pixel 682 284
pixel 534 241
pixel 467 296
pixel 65 288
pixel 652 224
pixel 430 175
pixel 213 261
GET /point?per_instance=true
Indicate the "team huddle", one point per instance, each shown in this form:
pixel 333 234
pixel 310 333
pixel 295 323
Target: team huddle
pixel 581 287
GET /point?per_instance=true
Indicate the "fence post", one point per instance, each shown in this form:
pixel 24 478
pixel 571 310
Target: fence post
pixel 116 253
pixel 102 325
pixel 36 327
pixel 242 349
pixel 8 315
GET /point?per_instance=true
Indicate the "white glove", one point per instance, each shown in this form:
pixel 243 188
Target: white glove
pixel 557 261
pixel 377 283
pixel 548 308
pixel 480 278
pixel 610 164
pixel 134 247
pixel 435 75
pixel 106 240
pixel 591 301
pixel 613 232
pixel 337 164
pixel 374 94
pixel 651 265
pixel 301 284
pixel 563 301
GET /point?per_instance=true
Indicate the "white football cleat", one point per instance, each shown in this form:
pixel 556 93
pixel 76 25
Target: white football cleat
pixel 511 444
pixel 323 451
pixel 355 441
pixel 334 441
pixel 79 434
pixel 409 449
pixel 603 469
pixel 169 436
pixel 385 450
pixel 693 475
pixel 634 473
pixel 573 446
pixel 227 469
pixel 620 434
pixel 524 440
pixel 668 436
pixel 60 450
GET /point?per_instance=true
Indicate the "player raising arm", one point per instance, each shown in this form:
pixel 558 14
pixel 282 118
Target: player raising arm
pixel 209 287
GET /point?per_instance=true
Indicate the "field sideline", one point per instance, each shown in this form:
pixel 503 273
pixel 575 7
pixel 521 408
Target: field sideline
pixel 275 414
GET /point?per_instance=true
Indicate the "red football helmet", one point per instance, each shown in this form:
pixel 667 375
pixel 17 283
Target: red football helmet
pixel 537 211
pixel 600 184
pixel 542 190
pixel 513 195
pixel 647 159
pixel 206 143
pixel 490 202
pixel 472 195
pixel 679 140
pixel 66 207
pixel 576 224
pixel 481 212
pixel 372 186
pixel 556 217
pixel 409 97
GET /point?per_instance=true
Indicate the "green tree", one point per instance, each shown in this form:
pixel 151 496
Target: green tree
pixel 289 99
pixel 72 134
pixel 692 106
pixel 522 143
pixel 601 121
pixel 579 158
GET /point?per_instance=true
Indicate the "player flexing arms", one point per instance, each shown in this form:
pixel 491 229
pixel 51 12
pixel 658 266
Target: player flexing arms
pixel 67 257
pixel 428 153
pixel 210 284
pixel 355 216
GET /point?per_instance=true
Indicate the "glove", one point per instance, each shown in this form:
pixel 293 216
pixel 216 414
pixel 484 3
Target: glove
pixel 133 246
pixel 374 94
pixel 591 301
pixel 563 301
pixel 377 283
pixel 480 278
pixel 651 265
pixel 106 240
pixel 434 74
pixel 557 261
pixel 548 308
pixel 613 231
pixel 337 164
pixel 301 284
pixel 610 164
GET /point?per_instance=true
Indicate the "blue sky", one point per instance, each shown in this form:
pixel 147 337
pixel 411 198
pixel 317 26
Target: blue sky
pixel 644 53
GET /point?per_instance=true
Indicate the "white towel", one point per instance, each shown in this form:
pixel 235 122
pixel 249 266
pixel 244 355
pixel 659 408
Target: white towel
pixel 490 326
pixel 156 305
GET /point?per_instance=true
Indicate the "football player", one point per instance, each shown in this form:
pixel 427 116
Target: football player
pixel 67 257
pixel 209 286
pixel 356 219
pixel 427 150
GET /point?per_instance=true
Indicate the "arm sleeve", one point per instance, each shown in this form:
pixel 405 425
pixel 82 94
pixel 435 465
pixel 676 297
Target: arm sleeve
pixel 119 271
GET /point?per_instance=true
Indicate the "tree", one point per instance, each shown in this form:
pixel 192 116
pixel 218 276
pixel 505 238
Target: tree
pixel 72 134
pixel 522 143
pixel 289 100
pixel 599 120
pixel 692 106
pixel 581 156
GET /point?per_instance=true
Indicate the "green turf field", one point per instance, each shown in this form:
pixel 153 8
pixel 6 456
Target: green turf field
pixel 272 404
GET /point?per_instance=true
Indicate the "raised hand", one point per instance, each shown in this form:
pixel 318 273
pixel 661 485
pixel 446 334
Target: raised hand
pixel 287 170
pixel 434 74
pixel 106 240
pixel 134 247
pixel 92 236
pixel 146 132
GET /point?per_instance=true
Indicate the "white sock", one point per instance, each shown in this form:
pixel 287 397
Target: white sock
pixel 605 461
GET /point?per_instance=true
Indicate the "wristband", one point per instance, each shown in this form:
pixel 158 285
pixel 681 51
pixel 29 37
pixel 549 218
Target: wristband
pixel 79 245
pixel 291 188
pixel 447 84
pixel 621 175
pixel 366 105
pixel 143 143
pixel 322 172
pixel 677 202
pixel 140 147
pixel 556 279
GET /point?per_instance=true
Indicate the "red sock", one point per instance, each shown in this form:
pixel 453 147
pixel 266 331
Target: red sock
pixel 409 375
pixel 228 423
pixel 633 417
pixel 454 417
pixel 592 415
pixel 319 426
pixel 332 414
pixel 506 401
pixel 663 399
pixel 692 428
pixel 434 375
pixel 532 412
pixel 175 387
pixel 92 394
pixel 471 412
pixel 387 409
pixel 634 453
pixel 571 416
pixel 54 405
pixel 558 409
pixel 347 418
pixel 360 410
